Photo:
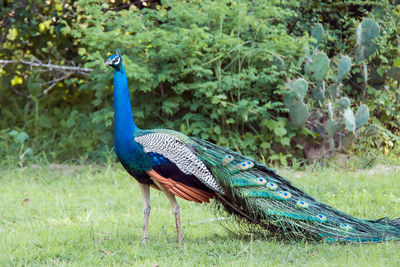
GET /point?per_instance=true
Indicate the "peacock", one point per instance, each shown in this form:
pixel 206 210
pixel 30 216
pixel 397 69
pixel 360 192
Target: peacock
pixel 197 170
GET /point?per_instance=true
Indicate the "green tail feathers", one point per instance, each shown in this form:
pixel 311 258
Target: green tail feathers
pixel 255 193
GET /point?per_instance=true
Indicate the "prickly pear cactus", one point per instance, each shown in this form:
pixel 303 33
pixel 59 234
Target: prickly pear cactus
pixel 293 100
pixel 317 33
pixel 318 67
pixel 362 116
pixel 339 123
pixel 344 103
pixel 349 120
pixel 367 32
pixel 344 67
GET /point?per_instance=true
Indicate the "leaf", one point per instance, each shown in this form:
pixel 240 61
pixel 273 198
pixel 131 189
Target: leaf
pixel 285 141
pixel 21 137
pixel 280 131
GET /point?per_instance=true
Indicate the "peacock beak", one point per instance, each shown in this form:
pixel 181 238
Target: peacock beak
pixel 108 62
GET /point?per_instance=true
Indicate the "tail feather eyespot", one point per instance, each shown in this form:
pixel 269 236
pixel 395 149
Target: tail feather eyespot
pixel 245 165
pixel 228 159
pixel 345 227
pixel 261 181
pixel 302 204
pixel 285 194
pixel 272 186
pixel 322 218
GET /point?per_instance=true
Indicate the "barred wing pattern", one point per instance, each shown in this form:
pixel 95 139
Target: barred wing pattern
pixel 181 154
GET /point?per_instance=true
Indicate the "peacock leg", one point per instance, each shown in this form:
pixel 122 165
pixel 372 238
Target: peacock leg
pixel 176 212
pixel 175 209
pixel 145 188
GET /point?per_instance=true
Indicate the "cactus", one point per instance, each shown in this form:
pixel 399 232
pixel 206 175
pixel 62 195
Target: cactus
pixel 317 32
pixel 362 116
pixel 318 68
pixel 349 120
pixel 331 116
pixel 331 127
pixel 366 33
pixel 298 113
pixel 278 62
pixel 370 130
pixel 343 68
pixel 333 91
pixel 319 96
pixel 394 73
pixel 300 88
pixel 293 100
pixel 344 103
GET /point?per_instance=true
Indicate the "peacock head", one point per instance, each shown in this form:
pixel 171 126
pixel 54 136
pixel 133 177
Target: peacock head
pixel 114 60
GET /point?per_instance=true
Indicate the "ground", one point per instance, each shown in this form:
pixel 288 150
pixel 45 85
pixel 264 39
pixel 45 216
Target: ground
pixel 92 216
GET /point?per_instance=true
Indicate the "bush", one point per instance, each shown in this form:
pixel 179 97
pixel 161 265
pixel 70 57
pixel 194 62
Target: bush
pixel 212 69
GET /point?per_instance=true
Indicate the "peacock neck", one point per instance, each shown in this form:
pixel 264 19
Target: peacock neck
pixel 124 124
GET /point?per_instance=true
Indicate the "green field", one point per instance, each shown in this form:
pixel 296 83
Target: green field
pixel 92 215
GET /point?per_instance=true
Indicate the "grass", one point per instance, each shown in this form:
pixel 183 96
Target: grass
pixel 75 215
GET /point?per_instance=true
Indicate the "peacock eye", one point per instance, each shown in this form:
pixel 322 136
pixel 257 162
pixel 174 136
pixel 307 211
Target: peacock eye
pixel 322 218
pixel 285 195
pixel 302 204
pixel 261 181
pixel 272 186
pixel 345 227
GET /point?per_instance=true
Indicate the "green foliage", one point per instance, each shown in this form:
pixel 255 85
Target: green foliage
pixel 212 69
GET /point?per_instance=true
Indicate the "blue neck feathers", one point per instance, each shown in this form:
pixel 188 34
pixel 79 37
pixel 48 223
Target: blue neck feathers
pixel 124 125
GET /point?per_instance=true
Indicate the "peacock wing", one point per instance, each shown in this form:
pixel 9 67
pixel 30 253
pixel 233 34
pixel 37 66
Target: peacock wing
pixel 175 159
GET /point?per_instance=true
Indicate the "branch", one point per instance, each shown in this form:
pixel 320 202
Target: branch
pixel 84 71
pixel 53 83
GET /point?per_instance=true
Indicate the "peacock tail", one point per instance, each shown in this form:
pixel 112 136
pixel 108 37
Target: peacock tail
pixel 255 193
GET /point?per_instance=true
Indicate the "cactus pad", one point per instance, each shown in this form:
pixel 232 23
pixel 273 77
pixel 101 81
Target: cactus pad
pixel 343 68
pixel 394 73
pixel 319 66
pixel 367 31
pixel 333 91
pixel 370 130
pixel 278 62
pixel 349 120
pixel 331 127
pixel 317 32
pixel 298 113
pixel 362 115
pixel 300 88
pixel 344 103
